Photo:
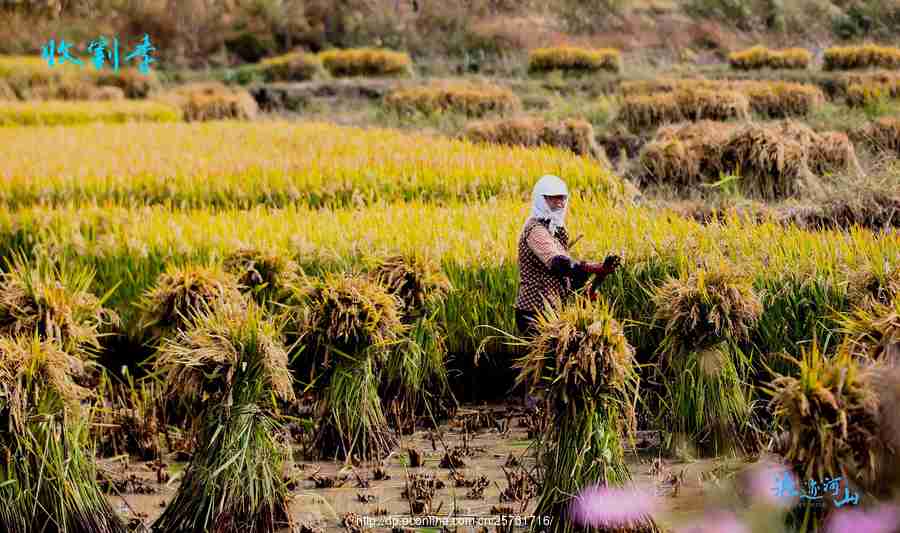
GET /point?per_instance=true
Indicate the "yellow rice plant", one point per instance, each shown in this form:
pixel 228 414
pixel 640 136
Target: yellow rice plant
pixel 882 134
pixel 470 99
pixel 366 62
pixel 56 113
pixel 273 163
pixel 862 56
pixel 572 134
pixel 211 101
pixel 31 76
pixel 643 112
pixel 574 59
pixel 761 57
pixel 872 331
pixel 6 92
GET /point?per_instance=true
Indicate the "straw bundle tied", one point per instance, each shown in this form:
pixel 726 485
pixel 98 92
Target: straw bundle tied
pixel 232 359
pixel 48 481
pixel 582 361
pixel 266 274
pixel 705 319
pixel 348 328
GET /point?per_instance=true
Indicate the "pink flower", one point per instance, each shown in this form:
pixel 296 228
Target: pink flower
pixel 717 522
pixel 772 484
pixel 882 519
pixel 612 506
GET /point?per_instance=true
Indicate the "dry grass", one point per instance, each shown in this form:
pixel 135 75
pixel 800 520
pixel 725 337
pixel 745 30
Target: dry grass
pixel 643 112
pixel 575 135
pixel 211 101
pixel 760 57
pixel 366 62
pixel 863 56
pixel 573 59
pixel 296 66
pixel 470 99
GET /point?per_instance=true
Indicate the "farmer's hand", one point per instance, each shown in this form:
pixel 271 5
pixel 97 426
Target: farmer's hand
pixel 612 262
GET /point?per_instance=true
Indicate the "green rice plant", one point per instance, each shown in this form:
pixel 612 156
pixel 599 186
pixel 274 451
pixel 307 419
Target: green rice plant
pixel 830 411
pixel 179 292
pixel 706 319
pixel 266 274
pixel 232 361
pixel 48 477
pixel 583 363
pixel 53 301
pixel 73 113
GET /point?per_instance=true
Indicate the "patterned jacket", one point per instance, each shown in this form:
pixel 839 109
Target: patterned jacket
pixel 536 282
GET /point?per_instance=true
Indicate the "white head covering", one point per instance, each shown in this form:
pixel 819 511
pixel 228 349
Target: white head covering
pixel 549 186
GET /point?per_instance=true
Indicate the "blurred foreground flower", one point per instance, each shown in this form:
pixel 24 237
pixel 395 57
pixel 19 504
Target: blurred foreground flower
pixel 716 522
pixel 599 506
pixel 772 484
pixel 881 519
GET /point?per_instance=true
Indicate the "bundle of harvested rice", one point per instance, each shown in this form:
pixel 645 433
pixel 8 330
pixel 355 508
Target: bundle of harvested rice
pixel 872 331
pixel 296 66
pixel 470 99
pixel 415 372
pixel 881 134
pixel 180 292
pixel 706 318
pixel 649 111
pixel 782 99
pixel 864 94
pixel 266 274
pixel 870 286
pixel 761 57
pixel 831 413
pixel 832 151
pixel 584 364
pixel 48 479
pixel 233 361
pixel 366 62
pixel 347 328
pixel 770 164
pixel 574 59
pixel 863 56
pixel 575 135
pixel 211 101
pixel 53 302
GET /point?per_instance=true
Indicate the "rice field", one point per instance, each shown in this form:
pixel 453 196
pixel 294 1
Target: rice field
pixel 304 305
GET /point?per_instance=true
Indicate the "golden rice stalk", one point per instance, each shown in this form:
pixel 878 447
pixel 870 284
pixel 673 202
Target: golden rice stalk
pixel 211 101
pixel 50 301
pixel 575 135
pixel 343 317
pixel 470 99
pixel 366 62
pixel 574 59
pixel 179 293
pixel 417 281
pixel 831 413
pixel 872 332
pixel 581 357
pixel 709 307
pixel 266 273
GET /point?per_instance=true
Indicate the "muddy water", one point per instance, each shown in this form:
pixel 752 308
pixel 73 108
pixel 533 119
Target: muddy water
pixel 684 486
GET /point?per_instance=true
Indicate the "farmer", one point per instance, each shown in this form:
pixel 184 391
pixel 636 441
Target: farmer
pixel 547 273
